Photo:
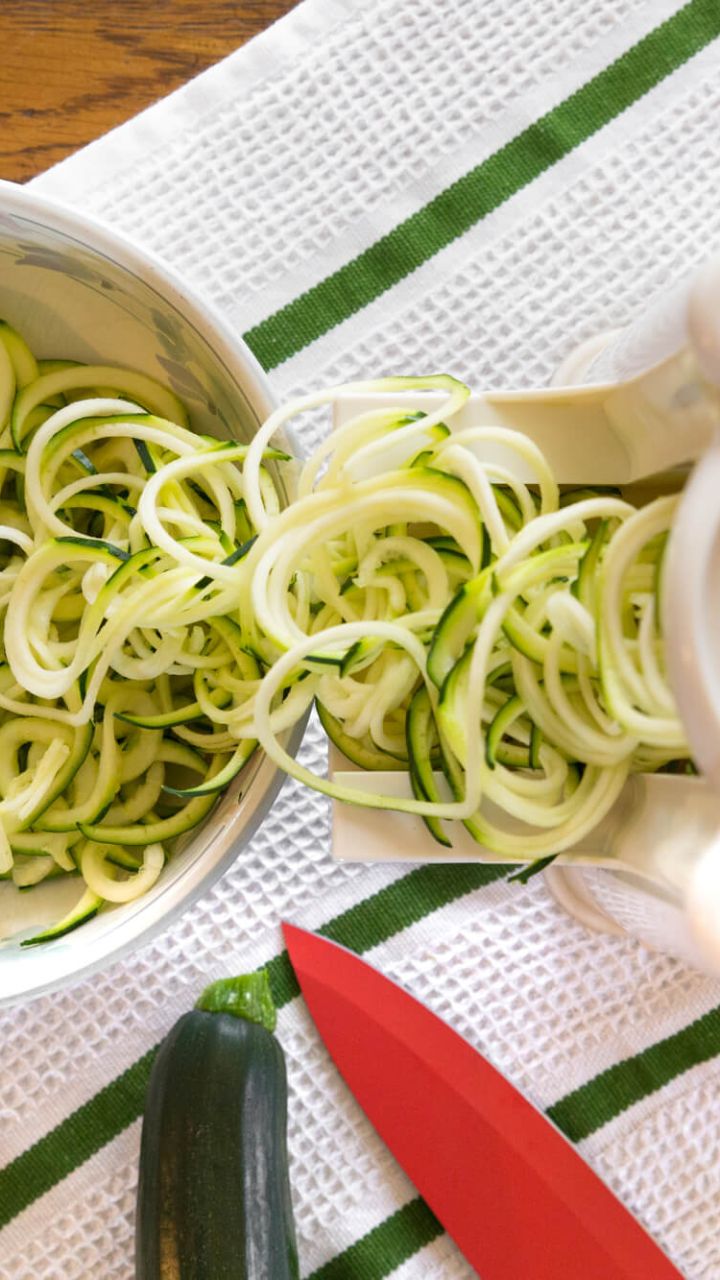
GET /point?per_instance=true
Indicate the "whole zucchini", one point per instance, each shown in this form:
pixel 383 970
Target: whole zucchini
pixel 214 1194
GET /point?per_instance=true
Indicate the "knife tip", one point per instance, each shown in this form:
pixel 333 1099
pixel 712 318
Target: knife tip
pixel 291 932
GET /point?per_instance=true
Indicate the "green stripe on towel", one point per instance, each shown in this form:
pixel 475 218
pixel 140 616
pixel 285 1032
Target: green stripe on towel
pixel 386 1247
pixel 74 1140
pixel 472 197
pixel 591 1106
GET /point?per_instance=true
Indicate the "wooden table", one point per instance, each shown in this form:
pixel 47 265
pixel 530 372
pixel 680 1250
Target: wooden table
pixel 71 69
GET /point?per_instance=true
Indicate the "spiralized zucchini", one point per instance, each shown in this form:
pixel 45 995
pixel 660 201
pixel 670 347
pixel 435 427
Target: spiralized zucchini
pixel 498 640
pixel 162 615
pixel 126 680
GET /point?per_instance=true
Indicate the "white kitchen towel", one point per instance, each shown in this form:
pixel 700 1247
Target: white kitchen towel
pixel 379 186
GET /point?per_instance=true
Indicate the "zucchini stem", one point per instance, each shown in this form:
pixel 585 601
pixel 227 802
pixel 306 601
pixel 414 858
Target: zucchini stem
pixel 248 996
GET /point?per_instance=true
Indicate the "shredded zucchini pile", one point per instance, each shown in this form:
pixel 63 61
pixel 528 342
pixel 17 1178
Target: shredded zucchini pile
pixel 162 614
pixel 500 641
pixel 126 685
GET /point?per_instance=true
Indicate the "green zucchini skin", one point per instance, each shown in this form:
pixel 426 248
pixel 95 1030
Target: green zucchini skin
pixel 214 1193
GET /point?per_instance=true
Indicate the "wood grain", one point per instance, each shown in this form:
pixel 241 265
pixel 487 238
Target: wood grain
pixel 72 69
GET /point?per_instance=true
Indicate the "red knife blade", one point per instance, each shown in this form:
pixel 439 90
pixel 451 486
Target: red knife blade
pixel 506 1184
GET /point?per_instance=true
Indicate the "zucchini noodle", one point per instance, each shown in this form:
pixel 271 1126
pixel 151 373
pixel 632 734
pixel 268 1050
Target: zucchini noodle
pixel 499 641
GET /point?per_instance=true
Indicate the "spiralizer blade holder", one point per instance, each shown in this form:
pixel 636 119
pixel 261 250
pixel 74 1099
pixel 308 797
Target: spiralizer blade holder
pixel 649 406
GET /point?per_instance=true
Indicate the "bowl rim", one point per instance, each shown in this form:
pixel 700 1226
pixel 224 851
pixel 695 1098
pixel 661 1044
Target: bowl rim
pixel 62 963
pixel 151 269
